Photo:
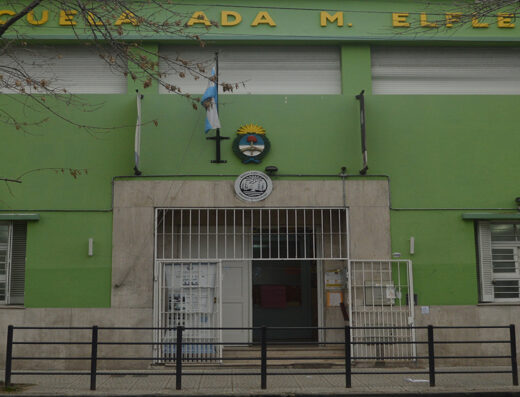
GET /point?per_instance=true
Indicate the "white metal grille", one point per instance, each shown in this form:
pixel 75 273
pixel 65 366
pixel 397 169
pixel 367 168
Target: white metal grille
pixel 381 295
pixel 273 233
pixel 188 294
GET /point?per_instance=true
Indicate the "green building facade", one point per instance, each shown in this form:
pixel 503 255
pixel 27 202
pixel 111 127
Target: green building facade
pixel 440 136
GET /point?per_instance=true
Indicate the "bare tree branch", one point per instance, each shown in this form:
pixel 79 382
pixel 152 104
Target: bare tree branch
pixel 18 16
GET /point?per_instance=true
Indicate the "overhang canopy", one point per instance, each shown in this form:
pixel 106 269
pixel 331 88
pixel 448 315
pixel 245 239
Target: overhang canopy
pixel 490 216
pixel 19 217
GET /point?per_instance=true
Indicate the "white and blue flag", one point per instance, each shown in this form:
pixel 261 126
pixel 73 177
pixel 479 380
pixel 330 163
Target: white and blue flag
pixel 210 101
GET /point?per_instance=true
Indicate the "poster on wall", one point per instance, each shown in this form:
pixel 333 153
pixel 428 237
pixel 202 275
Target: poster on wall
pixel 334 279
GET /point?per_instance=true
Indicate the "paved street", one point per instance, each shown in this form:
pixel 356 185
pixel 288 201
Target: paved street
pixel 320 383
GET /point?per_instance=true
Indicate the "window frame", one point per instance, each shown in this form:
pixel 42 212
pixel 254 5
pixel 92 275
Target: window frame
pixel 487 276
pixel 7 277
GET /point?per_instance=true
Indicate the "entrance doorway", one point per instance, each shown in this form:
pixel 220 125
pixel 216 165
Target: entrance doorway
pixel 285 295
pixel 271 260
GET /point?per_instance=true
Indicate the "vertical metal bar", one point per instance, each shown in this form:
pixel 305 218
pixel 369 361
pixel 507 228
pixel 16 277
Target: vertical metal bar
pixel 181 226
pixel 243 233
pixel 340 240
pixel 163 231
pixel 261 238
pixel 287 232
pixel 296 233
pixel 156 306
pixel 401 332
pixel 322 233
pixel 216 233
pixel 431 355
pixel 304 233
pixel 178 359
pixel 348 358
pixel 349 286
pixel 313 236
pixel 411 303
pixel 189 236
pixel 514 365
pixel 278 235
pixel 269 215
pixel 263 360
pixel 347 231
pixel 330 235
pixel 93 357
pixel 8 356
pixel 381 322
pixel 251 232
pixel 234 233
pixel 198 234
pixel 208 255
pixel 225 233
pixel 172 238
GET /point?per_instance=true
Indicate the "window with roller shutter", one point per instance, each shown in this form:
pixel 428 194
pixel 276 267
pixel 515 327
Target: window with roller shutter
pixel 65 68
pixel 12 262
pixel 264 70
pixel 445 70
pixel 499 263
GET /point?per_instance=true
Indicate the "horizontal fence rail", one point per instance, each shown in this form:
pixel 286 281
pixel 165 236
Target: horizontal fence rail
pixel 262 359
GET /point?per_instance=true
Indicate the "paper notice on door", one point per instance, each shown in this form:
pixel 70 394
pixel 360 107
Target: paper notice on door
pixel 334 298
pixel 333 279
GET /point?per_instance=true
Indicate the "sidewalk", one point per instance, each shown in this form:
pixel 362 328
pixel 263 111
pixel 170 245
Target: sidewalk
pixel 320 383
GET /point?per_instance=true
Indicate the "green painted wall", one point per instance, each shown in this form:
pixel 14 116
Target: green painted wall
pixel 444 154
pixel 59 272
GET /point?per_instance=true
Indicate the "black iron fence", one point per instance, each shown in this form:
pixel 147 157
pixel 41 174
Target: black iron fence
pixel 179 358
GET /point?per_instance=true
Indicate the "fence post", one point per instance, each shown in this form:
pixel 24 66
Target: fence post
pixel 263 360
pixel 431 355
pixel 348 358
pixel 8 356
pixel 178 358
pixel 514 365
pixel 93 358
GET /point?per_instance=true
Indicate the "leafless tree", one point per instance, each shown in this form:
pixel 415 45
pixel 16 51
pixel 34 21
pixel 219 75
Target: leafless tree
pixel 104 22
pixel 100 25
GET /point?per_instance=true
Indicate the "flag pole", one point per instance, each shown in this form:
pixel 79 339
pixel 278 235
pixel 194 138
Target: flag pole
pixel 361 99
pixel 137 141
pixel 217 138
pixel 218 129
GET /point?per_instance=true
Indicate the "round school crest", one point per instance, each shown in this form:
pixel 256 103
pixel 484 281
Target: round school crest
pixel 251 145
pixel 253 186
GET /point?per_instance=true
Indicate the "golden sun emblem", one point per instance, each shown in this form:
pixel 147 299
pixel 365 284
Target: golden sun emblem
pixel 251 129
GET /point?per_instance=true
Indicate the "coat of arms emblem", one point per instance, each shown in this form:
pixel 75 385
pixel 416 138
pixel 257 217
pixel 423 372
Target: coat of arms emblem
pixel 251 145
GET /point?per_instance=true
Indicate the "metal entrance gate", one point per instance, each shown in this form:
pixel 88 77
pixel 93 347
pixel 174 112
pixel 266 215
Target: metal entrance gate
pixel 235 237
pixel 380 293
pixel 188 294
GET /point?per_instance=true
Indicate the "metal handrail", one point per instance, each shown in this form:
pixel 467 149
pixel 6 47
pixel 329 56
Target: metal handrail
pixel 263 344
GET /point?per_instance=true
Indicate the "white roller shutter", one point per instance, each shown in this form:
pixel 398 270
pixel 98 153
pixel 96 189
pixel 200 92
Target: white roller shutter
pixel 445 70
pixel 77 69
pixel 257 69
pixel 17 282
pixel 485 262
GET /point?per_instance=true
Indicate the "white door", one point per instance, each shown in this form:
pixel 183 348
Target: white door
pixel 236 275
pixel 236 300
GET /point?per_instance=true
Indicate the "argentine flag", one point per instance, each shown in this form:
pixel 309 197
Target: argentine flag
pixel 209 101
